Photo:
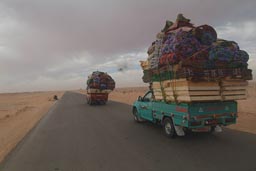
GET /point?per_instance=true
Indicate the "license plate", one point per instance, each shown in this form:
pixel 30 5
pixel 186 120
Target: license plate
pixel 211 122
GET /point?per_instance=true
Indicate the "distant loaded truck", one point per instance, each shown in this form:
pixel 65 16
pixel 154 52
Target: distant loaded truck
pixel 179 118
pixel 99 85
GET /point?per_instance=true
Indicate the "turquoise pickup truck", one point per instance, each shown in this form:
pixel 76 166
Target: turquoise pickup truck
pixel 179 118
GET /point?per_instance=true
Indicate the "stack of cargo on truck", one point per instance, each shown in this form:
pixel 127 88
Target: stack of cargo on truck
pixel 99 85
pixel 189 63
pixel 188 68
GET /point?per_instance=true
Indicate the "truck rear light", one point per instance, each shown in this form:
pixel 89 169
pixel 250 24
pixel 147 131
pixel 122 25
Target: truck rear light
pixel 195 123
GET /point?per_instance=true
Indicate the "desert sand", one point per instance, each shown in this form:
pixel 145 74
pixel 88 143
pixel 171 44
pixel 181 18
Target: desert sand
pixel 127 95
pixel 247 112
pixel 19 112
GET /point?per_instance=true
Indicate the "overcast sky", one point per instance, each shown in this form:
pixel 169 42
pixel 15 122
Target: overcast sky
pixel 55 44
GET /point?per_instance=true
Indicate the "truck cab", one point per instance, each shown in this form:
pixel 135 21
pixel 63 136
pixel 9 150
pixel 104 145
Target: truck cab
pixel 178 118
pixel 144 106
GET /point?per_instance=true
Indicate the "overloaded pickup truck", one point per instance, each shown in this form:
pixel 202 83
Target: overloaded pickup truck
pixel 179 118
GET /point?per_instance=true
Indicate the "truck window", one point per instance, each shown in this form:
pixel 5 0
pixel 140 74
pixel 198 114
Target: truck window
pixel 148 97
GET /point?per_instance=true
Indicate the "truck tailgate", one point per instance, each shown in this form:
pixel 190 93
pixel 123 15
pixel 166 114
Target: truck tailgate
pixel 212 114
pixel 202 110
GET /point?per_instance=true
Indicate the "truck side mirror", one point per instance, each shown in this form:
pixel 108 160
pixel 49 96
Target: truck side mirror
pixel 139 98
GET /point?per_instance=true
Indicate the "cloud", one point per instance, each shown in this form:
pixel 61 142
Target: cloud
pixel 244 31
pixel 244 34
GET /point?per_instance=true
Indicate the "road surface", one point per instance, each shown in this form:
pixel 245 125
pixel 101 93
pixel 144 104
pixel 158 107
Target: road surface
pixel 74 136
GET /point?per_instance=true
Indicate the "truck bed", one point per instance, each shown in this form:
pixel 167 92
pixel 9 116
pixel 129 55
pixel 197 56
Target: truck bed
pixel 177 118
pixel 197 114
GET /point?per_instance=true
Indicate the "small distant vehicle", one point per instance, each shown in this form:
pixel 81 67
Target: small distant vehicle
pixel 179 118
pixel 97 98
pixel 99 85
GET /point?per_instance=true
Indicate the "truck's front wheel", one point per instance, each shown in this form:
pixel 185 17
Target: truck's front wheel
pixel 136 116
pixel 169 128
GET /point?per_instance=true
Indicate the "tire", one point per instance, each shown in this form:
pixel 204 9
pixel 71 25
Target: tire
pixel 136 117
pixel 212 130
pixel 169 129
pixel 188 131
pixel 89 101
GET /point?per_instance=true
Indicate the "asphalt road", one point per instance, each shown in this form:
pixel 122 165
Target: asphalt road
pixel 74 136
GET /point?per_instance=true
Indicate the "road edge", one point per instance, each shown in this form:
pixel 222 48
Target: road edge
pixel 22 141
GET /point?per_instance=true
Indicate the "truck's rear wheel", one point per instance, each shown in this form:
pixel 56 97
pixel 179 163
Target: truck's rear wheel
pixel 89 101
pixel 136 116
pixel 169 128
pixel 212 129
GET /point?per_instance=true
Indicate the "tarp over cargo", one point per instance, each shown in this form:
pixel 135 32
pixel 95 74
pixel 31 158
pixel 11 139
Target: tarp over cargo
pixel 100 81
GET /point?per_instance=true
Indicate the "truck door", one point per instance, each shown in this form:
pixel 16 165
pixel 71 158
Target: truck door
pixel 146 106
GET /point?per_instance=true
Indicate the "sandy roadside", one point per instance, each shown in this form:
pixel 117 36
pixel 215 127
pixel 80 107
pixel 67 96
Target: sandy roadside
pixel 19 112
pixel 247 112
